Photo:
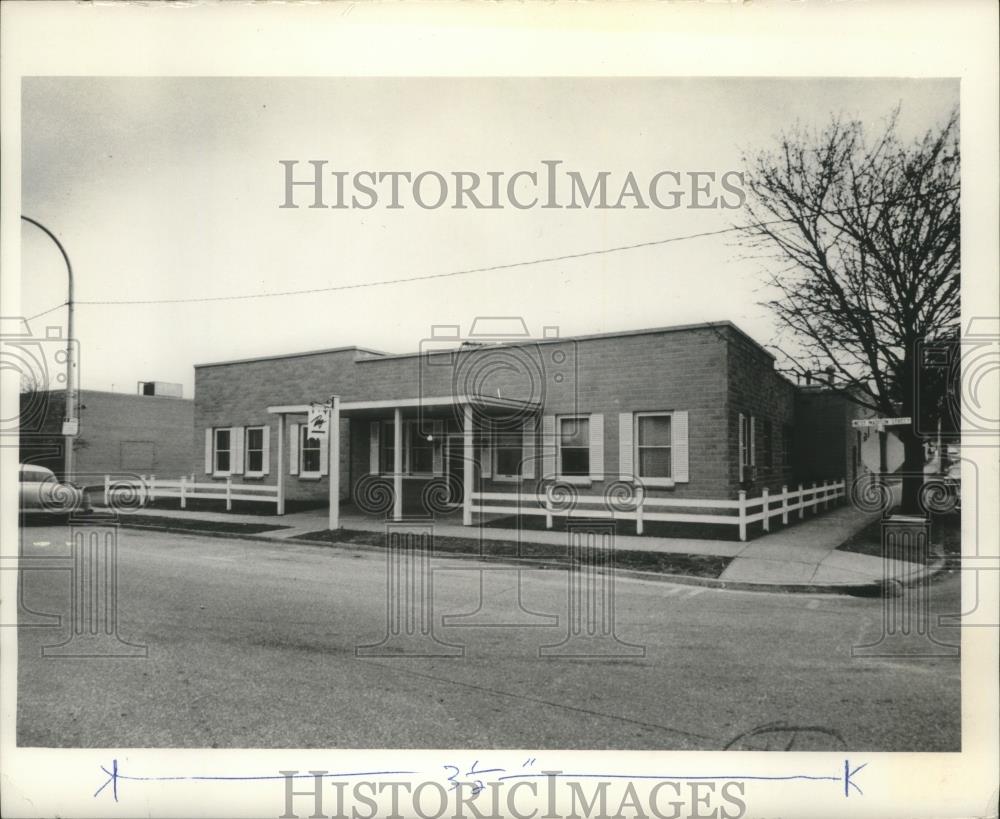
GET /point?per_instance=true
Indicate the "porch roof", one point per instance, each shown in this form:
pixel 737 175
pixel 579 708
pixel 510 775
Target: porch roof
pixel 483 403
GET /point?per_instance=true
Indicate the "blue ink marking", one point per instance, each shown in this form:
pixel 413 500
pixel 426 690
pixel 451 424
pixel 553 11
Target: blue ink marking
pixel 847 778
pixel 114 776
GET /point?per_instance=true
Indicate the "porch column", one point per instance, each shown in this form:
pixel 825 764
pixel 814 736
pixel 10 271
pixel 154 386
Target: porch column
pixel 280 469
pixel 397 464
pixel 333 463
pixel 467 474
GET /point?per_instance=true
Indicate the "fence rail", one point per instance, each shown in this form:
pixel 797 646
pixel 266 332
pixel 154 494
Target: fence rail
pixel 148 488
pixel 743 510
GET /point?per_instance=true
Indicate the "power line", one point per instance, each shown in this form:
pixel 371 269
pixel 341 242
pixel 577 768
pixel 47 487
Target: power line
pixel 44 312
pixel 494 268
pixel 450 274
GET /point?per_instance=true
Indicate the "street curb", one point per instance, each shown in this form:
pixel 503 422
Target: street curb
pixel 875 588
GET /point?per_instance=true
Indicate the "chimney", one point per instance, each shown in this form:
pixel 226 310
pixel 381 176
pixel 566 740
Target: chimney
pixel 809 377
pixel 830 370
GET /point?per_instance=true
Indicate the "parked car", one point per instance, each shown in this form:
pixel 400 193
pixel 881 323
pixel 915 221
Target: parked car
pixel 43 493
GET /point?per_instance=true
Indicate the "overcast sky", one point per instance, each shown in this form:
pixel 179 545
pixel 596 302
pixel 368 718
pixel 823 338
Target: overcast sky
pixel 170 188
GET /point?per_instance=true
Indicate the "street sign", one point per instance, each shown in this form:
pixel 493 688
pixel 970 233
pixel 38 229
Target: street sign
pixel 71 427
pixel 880 423
pixel 319 421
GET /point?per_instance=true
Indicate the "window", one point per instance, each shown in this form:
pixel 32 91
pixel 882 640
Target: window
pixel 574 447
pixel 418 449
pixel 507 454
pixel 309 452
pixel 653 444
pixel 255 451
pixel 222 451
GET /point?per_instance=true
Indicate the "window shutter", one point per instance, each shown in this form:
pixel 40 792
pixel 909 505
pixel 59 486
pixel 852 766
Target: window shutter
pixel 208 451
pixel 753 448
pixel 486 453
pixel 293 449
pixel 266 457
pixel 679 446
pixel 437 430
pixel 528 448
pixel 626 447
pixel 324 452
pixel 237 437
pixel 548 446
pixel 373 446
pixel 597 447
pixel 739 446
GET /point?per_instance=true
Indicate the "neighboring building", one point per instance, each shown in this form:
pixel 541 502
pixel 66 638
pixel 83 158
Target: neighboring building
pixel 693 412
pixel 825 441
pixel 144 434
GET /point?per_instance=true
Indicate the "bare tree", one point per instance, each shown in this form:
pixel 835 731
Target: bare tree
pixel 866 233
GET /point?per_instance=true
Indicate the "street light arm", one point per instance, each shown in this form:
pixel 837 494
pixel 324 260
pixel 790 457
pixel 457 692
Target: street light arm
pixel 70 410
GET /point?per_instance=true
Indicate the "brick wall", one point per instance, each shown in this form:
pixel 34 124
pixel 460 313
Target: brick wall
pixel 119 432
pixel 656 371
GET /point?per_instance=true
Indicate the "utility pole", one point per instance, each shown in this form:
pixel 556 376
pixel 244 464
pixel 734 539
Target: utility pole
pixel 70 409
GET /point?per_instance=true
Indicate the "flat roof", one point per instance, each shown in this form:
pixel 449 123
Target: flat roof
pixel 325 351
pixel 378 355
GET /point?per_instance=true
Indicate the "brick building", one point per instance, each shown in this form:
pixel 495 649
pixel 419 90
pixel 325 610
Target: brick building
pixel 690 412
pixel 119 433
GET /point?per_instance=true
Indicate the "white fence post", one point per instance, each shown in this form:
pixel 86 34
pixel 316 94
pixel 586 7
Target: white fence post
pixel 813 502
pixel 229 494
pixel 548 513
pixel 784 504
pixel 743 514
pixel 152 488
pixel 183 491
pixel 107 490
pixel 826 496
pixel 802 503
pixel 145 489
pixel 639 501
pixel 765 506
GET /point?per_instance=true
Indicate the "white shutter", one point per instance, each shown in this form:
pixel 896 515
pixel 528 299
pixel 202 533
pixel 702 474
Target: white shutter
pixel 237 436
pixel 548 446
pixel 266 456
pixel 486 453
pixel 626 447
pixel 208 451
pixel 293 449
pixel 739 447
pixel 753 448
pixel 373 444
pixel 528 448
pixel 437 430
pixel 324 451
pixel 679 446
pixel 597 447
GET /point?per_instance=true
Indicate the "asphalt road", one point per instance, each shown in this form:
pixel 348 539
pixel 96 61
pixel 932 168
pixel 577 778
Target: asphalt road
pixel 252 644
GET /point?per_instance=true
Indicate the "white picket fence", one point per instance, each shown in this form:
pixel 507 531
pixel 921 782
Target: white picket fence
pixel 747 510
pixel 148 488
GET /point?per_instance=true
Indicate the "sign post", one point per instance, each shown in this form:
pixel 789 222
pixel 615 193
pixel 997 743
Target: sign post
pixel 879 425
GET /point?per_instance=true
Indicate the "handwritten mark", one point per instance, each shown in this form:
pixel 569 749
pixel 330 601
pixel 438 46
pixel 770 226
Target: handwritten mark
pixel 115 776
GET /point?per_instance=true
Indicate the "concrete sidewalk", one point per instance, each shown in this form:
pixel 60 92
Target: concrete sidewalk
pixel 802 556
